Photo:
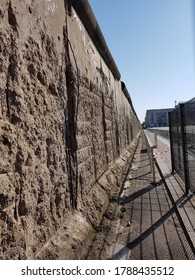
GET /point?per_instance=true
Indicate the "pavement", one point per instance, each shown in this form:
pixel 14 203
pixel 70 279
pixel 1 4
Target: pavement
pixel 185 203
pixel 157 219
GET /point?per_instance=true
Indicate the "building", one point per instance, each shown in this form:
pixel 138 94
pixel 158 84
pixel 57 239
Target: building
pixel 157 117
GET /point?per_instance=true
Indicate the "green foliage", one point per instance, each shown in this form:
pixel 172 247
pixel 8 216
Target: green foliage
pixel 121 214
pixel 123 209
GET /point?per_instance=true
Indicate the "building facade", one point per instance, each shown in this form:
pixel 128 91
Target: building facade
pixel 157 117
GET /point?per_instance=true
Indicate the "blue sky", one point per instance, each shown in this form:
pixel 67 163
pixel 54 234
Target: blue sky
pixel 152 43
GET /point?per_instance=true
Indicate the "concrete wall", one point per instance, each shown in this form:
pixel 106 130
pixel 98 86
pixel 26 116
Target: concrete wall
pixel 67 132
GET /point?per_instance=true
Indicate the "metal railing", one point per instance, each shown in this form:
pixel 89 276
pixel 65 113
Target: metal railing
pixel 182 142
pixel 161 131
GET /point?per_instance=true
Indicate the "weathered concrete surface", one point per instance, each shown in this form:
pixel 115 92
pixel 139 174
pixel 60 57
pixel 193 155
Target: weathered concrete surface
pixel 73 239
pixel 65 126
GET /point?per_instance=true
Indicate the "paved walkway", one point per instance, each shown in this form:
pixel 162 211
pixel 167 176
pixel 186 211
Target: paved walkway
pixel 150 227
pixel 185 203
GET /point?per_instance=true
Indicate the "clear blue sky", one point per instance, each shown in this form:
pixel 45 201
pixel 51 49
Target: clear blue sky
pixel 152 43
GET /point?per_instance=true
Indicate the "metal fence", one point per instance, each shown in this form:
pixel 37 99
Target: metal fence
pixel 182 141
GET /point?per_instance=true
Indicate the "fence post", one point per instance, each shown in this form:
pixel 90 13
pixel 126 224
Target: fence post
pixel 150 147
pixel 155 138
pixel 152 162
pixel 171 142
pixel 182 115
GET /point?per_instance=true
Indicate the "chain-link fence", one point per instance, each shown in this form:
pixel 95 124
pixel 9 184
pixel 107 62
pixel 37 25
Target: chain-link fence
pixel 182 141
